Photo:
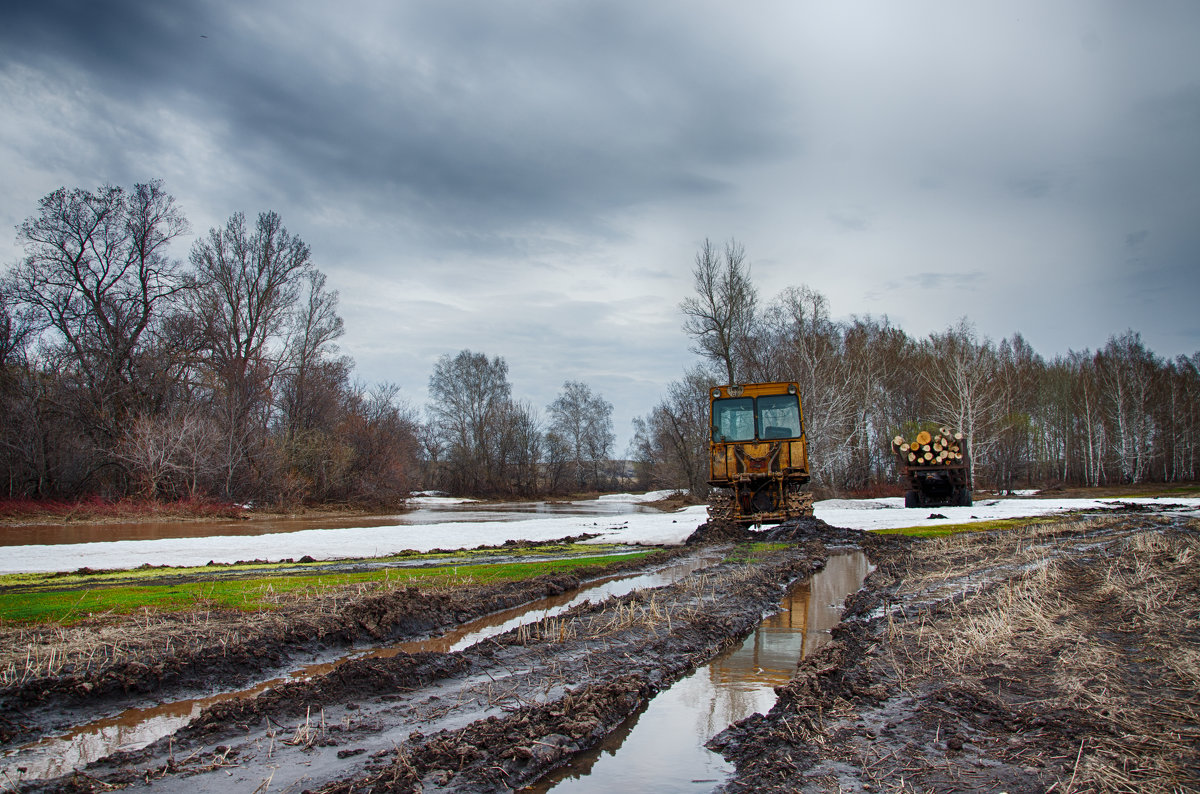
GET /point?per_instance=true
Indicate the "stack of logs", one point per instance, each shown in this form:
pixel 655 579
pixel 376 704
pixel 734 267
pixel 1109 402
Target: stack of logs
pixel 928 449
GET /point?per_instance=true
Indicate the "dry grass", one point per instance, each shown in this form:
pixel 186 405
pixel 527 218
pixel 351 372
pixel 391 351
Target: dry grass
pixel 40 651
pixel 1108 629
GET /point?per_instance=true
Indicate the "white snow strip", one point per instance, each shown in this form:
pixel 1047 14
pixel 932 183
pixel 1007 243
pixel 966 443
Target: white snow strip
pixel 634 498
pixel 435 501
pixel 634 528
pixel 890 513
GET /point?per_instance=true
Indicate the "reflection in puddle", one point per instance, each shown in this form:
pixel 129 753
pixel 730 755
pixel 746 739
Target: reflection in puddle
pixel 136 728
pixel 662 748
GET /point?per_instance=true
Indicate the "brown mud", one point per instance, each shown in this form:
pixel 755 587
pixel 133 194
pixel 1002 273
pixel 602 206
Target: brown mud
pixel 1052 657
pixel 59 676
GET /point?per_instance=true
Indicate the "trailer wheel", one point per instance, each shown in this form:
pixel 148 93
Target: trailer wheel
pixel 911 499
pixel 964 497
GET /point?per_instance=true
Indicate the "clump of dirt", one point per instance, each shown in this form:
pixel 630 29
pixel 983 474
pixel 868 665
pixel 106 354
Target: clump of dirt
pixel 1060 657
pixel 806 529
pixel 720 532
pixel 503 753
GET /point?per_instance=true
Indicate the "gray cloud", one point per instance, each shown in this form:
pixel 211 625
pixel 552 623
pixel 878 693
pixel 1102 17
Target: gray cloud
pixel 533 179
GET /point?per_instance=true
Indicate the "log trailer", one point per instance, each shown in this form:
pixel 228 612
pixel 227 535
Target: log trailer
pixel 935 468
pixel 758 454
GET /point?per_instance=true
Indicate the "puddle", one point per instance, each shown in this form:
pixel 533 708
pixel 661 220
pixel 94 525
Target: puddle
pixel 138 727
pixel 662 748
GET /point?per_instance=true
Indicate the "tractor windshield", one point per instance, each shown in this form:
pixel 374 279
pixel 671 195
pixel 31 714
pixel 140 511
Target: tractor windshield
pixel 733 419
pixel 778 416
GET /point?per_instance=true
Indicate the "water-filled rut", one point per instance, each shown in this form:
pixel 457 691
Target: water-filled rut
pixel 661 748
pixel 135 728
pixel 498 706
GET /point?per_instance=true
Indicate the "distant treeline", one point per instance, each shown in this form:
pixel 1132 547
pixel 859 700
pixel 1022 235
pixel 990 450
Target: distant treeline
pixel 1118 415
pixel 124 372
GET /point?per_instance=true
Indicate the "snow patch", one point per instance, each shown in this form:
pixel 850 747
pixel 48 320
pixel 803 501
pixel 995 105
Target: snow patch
pixel 431 500
pixel 635 498
pixel 885 503
pixel 632 527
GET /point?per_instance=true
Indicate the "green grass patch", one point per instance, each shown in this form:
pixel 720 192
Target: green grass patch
pixel 754 552
pixel 86 577
pixel 68 605
pixel 939 530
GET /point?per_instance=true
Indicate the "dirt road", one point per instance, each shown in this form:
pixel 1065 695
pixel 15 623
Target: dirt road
pixel 1059 657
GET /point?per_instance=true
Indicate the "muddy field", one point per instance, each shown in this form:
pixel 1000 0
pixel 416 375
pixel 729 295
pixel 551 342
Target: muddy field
pixel 1060 657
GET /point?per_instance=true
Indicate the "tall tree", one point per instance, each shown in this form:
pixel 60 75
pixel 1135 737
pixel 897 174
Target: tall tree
pixel 802 343
pixel 1127 372
pixel 673 440
pixel 312 366
pixel 468 404
pixel 248 282
pixel 95 272
pixel 720 316
pixel 959 378
pixel 584 421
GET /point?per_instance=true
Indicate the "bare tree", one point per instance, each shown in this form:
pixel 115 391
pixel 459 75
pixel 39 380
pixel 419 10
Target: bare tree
pixel 469 396
pixel 248 284
pixel 96 270
pixel 1127 371
pixel 583 420
pixel 169 454
pixel 379 438
pixel 519 449
pixel 803 344
pixel 316 329
pixel 1019 372
pixel 959 378
pixel 673 440
pixel 720 317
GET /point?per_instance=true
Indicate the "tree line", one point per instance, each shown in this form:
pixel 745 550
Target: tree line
pixel 1120 414
pixel 125 372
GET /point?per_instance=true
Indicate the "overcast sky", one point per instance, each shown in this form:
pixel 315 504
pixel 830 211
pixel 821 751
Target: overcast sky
pixel 533 179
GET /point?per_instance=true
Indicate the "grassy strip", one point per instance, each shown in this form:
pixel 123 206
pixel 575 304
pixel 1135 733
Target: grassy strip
pixel 262 593
pixel 941 530
pixel 32 582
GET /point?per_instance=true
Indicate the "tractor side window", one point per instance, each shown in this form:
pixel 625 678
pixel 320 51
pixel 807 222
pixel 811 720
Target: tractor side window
pixel 733 419
pixel 778 416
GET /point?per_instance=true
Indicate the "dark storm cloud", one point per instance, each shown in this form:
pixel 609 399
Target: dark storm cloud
pixel 532 179
pixel 453 114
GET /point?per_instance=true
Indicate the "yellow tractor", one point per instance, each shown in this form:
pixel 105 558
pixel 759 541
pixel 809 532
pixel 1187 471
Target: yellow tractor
pixel 758 455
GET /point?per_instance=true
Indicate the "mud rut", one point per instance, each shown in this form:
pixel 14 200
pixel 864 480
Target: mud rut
pixel 1059 658
pixel 1053 658
pixel 493 717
